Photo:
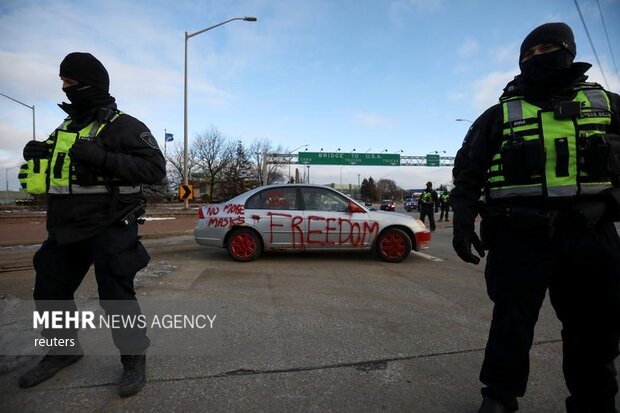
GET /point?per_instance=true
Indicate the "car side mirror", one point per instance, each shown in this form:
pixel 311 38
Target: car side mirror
pixel 353 208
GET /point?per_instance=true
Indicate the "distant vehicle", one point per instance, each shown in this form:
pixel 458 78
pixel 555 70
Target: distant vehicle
pixel 387 205
pixel 300 217
pixel 411 204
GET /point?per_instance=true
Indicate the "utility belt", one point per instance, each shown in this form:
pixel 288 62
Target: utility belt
pixel 542 222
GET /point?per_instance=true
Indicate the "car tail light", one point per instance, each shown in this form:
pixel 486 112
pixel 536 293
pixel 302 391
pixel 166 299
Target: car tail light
pixel 201 214
pixel 422 239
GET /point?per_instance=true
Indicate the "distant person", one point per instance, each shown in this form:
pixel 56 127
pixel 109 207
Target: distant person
pixel 428 203
pixel 547 159
pixel 92 169
pixel 444 206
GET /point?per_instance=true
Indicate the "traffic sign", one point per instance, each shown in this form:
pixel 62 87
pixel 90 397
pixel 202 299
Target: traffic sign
pixel 342 158
pixel 185 192
pixel 432 160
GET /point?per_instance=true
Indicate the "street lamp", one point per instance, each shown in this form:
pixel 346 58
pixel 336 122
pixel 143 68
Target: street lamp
pixel 290 153
pixel 28 106
pixel 463 120
pixel 185 139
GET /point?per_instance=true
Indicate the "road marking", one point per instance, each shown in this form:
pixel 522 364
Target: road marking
pixel 427 256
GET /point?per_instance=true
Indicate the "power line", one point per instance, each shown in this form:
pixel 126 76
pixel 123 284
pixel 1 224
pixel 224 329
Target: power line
pixel 592 44
pixel 607 36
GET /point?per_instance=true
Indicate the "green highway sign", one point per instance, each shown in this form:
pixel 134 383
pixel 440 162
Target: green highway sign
pixel 432 160
pixel 341 158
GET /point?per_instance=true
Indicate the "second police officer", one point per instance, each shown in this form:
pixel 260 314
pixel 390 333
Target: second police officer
pixel 546 160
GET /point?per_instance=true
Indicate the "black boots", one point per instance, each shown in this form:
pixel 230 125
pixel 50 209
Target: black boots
pixel 134 374
pixel 134 371
pixel 47 368
pixel 493 406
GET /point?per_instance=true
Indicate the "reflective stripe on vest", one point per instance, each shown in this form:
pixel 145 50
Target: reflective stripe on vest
pixel 94 189
pixel 560 175
pixel 61 171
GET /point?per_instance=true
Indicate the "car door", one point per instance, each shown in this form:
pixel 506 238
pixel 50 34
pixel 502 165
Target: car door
pixel 276 214
pixel 328 221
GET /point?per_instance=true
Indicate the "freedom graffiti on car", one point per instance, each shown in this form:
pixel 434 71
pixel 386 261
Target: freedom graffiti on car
pixel 325 231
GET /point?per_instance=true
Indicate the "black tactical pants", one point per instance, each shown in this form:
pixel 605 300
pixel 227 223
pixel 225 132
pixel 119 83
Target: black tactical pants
pixel 445 211
pixel 428 211
pixel 117 255
pixel 581 269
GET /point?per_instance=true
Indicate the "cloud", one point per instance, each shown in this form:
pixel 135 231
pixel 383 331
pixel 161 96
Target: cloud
pixel 373 119
pixel 468 48
pixel 399 11
pixel 506 55
pixel 486 91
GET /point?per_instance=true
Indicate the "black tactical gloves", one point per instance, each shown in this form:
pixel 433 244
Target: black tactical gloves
pixel 462 244
pixel 36 150
pixel 87 152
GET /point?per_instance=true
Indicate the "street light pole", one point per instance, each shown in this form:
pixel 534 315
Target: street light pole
pixel 29 107
pixel 463 120
pixel 290 153
pixel 185 137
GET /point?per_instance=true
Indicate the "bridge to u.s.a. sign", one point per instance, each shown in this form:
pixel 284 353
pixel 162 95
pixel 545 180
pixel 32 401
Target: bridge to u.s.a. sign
pixel 352 158
pixel 365 159
pixel 342 158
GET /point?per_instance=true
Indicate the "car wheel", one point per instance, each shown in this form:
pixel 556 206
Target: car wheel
pixel 243 245
pixel 393 245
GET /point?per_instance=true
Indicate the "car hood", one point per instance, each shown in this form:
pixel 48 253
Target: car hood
pixel 392 218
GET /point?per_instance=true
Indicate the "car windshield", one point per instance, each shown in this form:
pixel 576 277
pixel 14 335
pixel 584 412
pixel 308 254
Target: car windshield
pixel 273 198
pixel 319 199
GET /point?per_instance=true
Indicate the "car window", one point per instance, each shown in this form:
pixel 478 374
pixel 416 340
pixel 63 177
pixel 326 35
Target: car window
pixel 274 198
pixel 318 199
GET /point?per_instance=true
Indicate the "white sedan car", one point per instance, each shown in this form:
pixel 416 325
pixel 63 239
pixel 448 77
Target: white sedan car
pixel 299 217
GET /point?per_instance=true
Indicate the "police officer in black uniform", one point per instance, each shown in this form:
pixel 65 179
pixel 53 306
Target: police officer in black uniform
pixel 546 160
pixel 444 205
pixel 428 203
pixel 97 162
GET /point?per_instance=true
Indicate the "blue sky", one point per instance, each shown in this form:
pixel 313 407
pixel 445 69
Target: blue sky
pixel 350 74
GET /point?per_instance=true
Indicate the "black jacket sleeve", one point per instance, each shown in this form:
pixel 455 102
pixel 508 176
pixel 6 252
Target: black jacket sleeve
pixel 472 163
pixel 132 152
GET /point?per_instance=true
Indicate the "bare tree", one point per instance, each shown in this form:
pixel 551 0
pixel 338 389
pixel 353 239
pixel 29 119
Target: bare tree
pixel 387 189
pixel 214 153
pixel 174 164
pixel 257 151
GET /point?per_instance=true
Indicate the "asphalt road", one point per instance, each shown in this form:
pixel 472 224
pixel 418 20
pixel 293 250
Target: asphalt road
pixel 300 332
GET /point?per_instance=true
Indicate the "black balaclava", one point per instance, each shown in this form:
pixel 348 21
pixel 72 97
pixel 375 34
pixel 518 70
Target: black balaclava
pixel 91 92
pixel 549 71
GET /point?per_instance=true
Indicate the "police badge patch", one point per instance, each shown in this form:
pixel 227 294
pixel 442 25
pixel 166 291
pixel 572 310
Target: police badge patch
pixel 149 139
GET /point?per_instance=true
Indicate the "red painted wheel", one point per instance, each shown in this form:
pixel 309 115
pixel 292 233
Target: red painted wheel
pixel 244 245
pixel 393 245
